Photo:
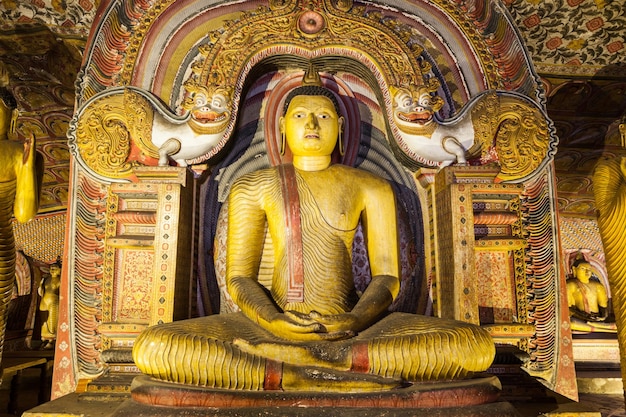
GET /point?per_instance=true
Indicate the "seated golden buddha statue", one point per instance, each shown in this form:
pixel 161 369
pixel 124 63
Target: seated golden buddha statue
pixel 587 299
pixel 311 331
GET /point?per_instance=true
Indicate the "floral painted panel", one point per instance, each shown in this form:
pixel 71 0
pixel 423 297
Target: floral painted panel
pixel 134 296
pixel 496 299
pixel 572 33
pixel 63 17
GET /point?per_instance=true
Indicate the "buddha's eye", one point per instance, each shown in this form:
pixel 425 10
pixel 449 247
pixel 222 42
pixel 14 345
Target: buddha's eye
pixel 323 116
pixel 298 115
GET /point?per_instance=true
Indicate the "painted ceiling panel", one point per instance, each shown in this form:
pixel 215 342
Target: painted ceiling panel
pixel 569 37
pixel 564 35
pixel 63 17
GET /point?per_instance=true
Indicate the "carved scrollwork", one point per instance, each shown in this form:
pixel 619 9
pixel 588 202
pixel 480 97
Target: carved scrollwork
pixel 516 129
pixel 103 138
pixel 108 129
pixel 310 25
pixel 139 117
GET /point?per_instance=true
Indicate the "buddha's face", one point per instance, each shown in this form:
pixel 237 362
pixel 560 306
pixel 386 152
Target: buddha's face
pixel 311 126
pixel 583 272
pixel 55 270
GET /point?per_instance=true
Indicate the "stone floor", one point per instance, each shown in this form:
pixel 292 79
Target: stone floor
pixel 608 405
pixel 604 405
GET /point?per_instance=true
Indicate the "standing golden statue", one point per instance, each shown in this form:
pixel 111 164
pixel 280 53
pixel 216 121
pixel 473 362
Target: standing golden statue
pixel 49 293
pixel 20 181
pixel 311 331
pixel 609 188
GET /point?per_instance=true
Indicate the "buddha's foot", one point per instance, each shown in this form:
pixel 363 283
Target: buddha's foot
pixel 297 378
pixel 335 355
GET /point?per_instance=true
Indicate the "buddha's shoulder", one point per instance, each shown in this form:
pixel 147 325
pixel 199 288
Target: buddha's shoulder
pixel 262 176
pixel 350 173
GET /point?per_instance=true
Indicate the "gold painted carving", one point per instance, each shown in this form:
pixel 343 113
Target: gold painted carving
pixel 107 128
pixel 276 19
pixel 139 117
pixel 103 139
pixel 311 26
pixel 517 130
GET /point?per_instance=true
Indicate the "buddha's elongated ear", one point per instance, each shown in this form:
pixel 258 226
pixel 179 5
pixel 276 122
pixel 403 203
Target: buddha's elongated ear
pixel 281 123
pixel 283 136
pixel 340 143
pixel 12 132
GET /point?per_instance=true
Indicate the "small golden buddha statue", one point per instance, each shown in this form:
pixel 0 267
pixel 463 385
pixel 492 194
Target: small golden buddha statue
pixel 49 293
pixel 587 299
pixel 311 331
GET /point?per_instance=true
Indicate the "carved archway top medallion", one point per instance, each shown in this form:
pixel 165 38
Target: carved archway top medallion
pixel 310 26
pixel 319 30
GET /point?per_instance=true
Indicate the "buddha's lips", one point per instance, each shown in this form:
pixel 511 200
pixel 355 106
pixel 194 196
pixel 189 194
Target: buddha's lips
pixel 208 116
pixel 421 117
pixel 312 136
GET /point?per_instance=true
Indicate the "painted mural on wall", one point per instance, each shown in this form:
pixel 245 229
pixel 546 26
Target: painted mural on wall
pixel 63 17
pixel 570 33
pixel 561 35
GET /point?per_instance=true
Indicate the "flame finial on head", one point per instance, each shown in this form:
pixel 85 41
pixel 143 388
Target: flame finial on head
pixel 312 86
pixel 311 77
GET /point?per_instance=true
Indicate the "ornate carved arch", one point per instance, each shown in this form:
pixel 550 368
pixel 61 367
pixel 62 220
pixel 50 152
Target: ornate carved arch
pixel 164 47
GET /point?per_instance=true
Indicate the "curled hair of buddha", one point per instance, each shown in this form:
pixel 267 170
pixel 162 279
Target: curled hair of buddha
pixel 580 259
pixel 312 86
pixel 311 90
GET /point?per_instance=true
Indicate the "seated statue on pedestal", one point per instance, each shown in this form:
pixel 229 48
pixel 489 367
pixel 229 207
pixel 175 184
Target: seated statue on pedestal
pixel 588 300
pixel 311 331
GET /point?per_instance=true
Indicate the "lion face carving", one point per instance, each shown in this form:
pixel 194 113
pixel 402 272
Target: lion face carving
pixel 414 110
pixel 209 110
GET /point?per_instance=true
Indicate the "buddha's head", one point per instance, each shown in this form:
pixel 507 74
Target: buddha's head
pixel 311 121
pixel 55 270
pixel 581 270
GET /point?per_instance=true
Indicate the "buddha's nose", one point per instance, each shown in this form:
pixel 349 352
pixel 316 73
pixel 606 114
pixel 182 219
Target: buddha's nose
pixel 311 121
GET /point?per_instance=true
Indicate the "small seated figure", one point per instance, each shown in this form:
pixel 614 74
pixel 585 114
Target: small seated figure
pixel 311 331
pixel 49 293
pixel 587 299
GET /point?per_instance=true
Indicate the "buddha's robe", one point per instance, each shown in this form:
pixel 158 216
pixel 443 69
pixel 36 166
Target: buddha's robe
pixel 205 351
pixel 20 181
